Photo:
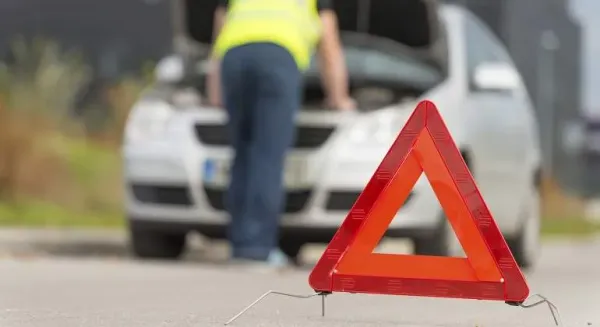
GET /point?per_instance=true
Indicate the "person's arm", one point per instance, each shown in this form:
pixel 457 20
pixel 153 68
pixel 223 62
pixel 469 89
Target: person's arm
pixel 332 63
pixel 213 78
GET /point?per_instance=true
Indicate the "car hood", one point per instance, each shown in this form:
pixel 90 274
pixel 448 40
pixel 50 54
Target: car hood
pixel 188 121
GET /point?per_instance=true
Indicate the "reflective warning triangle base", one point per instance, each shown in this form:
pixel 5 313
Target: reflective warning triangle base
pixel 423 146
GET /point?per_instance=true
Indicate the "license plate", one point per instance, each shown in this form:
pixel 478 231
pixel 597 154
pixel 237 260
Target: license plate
pixel 216 172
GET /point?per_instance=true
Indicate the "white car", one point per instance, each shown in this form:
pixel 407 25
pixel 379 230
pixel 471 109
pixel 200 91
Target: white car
pixel 177 156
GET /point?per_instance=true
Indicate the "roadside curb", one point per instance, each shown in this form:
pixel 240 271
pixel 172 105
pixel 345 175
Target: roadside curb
pixel 74 242
pixel 48 240
pixel 115 243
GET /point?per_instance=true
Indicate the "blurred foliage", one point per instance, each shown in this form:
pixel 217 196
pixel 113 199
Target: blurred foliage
pixel 42 79
pixel 558 204
pixel 54 169
pixel 569 225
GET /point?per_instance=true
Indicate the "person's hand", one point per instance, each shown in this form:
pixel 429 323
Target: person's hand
pixel 213 98
pixel 215 102
pixel 342 104
pixel 213 85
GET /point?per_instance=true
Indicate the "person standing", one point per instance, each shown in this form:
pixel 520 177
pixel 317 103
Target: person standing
pixel 260 51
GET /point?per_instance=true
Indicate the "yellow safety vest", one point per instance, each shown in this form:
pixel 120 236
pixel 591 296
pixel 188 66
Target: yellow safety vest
pixel 292 24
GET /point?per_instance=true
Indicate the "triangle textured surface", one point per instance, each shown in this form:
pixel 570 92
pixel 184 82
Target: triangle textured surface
pixel 489 272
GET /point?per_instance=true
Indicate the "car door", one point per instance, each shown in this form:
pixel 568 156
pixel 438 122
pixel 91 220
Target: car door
pixel 499 128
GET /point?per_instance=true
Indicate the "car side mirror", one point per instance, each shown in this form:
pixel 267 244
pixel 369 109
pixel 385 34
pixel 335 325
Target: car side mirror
pixel 495 77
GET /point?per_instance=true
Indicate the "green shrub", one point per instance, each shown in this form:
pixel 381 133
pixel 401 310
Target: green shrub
pixel 42 79
pixel 47 160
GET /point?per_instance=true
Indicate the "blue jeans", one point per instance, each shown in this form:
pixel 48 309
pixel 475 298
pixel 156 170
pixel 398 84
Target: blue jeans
pixel 261 87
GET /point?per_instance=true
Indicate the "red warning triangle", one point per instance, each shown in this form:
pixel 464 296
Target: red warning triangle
pixel 488 273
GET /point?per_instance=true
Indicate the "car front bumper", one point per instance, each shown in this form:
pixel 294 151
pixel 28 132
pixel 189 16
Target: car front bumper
pixel 162 190
pixel 166 183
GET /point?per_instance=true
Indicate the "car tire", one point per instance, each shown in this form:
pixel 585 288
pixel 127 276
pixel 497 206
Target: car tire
pixel 526 245
pixel 442 242
pixel 150 244
pixel 291 247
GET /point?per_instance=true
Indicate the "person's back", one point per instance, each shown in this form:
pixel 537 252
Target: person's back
pixel 259 55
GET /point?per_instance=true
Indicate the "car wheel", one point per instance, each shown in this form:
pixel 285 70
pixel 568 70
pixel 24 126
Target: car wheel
pixel 525 246
pixel 149 244
pixel 443 242
pixel 291 247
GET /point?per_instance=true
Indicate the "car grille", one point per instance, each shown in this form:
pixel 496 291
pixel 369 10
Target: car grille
pixel 343 200
pixel 165 195
pixel 295 200
pixel 306 137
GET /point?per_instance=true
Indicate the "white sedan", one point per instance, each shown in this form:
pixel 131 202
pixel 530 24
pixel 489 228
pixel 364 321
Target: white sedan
pixel 177 156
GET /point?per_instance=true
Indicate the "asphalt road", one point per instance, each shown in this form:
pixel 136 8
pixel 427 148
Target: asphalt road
pixel 114 291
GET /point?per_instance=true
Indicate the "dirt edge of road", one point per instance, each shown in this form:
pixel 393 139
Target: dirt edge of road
pixel 114 243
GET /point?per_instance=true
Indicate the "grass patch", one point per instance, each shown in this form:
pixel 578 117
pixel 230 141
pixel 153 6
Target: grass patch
pixel 569 227
pixel 87 195
pixel 38 214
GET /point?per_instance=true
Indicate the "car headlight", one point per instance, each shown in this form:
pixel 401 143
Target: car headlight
pixel 373 131
pixel 147 121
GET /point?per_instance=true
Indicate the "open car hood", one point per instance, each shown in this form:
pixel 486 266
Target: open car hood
pixel 392 48
pixel 411 23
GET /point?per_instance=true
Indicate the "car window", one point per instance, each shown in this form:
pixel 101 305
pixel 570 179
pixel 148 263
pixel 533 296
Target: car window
pixel 374 64
pixel 482 45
